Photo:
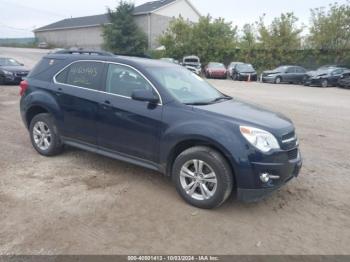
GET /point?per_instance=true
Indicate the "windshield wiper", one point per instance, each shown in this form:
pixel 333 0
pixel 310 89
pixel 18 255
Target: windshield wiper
pixel 198 103
pixel 218 99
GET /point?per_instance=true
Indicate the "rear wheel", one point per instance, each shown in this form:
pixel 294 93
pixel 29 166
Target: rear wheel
pixel 202 177
pixel 44 135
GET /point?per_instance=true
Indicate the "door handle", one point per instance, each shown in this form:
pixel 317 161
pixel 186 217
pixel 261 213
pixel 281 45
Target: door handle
pixel 59 90
pixel 106 105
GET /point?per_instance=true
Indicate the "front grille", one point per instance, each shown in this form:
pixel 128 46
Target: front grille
pixel 288 136
pixel 21 73
pixel 293 154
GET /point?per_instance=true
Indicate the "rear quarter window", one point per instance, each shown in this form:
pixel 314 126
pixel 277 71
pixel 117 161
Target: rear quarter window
pixel 45 68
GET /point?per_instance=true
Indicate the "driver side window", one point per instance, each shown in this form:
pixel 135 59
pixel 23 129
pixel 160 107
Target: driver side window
pixel 123 81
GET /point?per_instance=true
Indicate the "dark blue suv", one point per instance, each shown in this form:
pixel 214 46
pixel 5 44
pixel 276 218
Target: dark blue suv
pixel 163 117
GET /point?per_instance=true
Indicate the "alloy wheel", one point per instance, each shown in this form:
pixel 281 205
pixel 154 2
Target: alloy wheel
pixel 42 135
pixel 198 180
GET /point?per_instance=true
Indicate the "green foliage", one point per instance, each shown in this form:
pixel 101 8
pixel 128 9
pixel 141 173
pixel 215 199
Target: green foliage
pixel 265 45
pixel 330 29
pixel 210 39
pixel 123 36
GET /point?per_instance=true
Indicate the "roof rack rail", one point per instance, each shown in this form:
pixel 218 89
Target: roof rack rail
pixel 83 52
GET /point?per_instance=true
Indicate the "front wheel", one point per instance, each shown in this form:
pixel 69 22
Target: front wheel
pixel 202 177
pixel 278 80
pixel 44 135
pixel 324 83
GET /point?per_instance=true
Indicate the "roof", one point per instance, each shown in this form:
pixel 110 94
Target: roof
pixel 86 21
pixel 97 20
pixel 150 7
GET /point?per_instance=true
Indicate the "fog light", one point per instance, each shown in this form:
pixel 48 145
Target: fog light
pixel 265 177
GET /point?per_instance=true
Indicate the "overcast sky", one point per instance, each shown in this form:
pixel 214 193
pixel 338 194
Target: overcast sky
pixel 18 18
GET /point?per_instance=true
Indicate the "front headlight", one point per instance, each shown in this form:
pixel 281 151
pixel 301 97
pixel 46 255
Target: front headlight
pixel 7 72
pixel 261 139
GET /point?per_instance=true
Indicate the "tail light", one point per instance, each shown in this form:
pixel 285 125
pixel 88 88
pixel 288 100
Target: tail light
pixel 24 86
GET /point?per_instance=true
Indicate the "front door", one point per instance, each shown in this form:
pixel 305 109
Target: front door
pixel 128 126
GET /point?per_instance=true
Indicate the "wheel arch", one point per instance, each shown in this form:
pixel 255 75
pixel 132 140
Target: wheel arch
pixel 183 145
pixel 33 111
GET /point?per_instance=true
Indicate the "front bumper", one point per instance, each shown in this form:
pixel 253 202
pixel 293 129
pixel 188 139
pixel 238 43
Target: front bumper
pixel 268 79
pixel 286 171
pixel 13 79
pixel 245 77
pixel 313 82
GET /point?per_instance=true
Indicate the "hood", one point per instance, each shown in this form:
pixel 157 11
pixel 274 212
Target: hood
pixel 14 68
pixel 252 115
pixel 270 72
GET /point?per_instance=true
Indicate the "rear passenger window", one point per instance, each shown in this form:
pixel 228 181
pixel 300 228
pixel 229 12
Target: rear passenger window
pixel 82 74
pixel 123 81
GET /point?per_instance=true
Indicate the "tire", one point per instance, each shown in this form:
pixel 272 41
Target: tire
pixel 324 83
pixel 211 185
pixel 44 135
pixel 278 80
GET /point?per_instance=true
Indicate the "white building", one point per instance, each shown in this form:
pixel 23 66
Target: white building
pixel 86 32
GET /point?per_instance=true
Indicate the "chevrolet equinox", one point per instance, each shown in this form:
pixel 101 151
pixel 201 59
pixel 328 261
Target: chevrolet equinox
pixel 159 116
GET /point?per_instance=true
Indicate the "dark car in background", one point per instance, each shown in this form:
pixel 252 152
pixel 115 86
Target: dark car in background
pixel 244 72
pixel 344 80
pixel 11 71
pixel 215 70
pixel 285 74
pixel 230 68
pixel 163 117
pixel 324 77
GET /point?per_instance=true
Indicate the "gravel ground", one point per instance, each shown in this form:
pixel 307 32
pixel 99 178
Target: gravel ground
pixel 81 203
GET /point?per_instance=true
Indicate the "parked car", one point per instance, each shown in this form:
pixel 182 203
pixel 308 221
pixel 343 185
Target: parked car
pixel 344 80
pixel 169 60
pixel 11 71
pixel 324 77
pixel 162 117
pixel 215 70
pixel 244 72
pixel 285 74
pixel 193 63
pixel 230 68
pixel 43 45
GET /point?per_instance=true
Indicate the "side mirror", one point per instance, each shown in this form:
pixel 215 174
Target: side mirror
pixel 22 64
pixel 145 96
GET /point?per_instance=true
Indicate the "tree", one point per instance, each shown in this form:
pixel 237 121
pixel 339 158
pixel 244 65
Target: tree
pixel 248 39
pixel 330 30
pixel 123 36
pixel 283 33
pixel 210 39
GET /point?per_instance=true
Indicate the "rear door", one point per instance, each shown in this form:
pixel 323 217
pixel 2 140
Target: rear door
pixel 125 125
pixel 78 90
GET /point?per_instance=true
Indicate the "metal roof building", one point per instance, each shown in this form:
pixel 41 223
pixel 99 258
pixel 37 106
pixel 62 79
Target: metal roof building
pixel 86 32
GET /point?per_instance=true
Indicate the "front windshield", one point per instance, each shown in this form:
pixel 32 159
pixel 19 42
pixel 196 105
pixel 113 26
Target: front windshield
pixel 245 67
pixel 8 62
pixel 191 60
pixel 185 86
pixel 216 65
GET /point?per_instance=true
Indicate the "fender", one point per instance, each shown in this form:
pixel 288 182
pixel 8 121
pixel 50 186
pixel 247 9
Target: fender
pixel 44 99
pixel 198 130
